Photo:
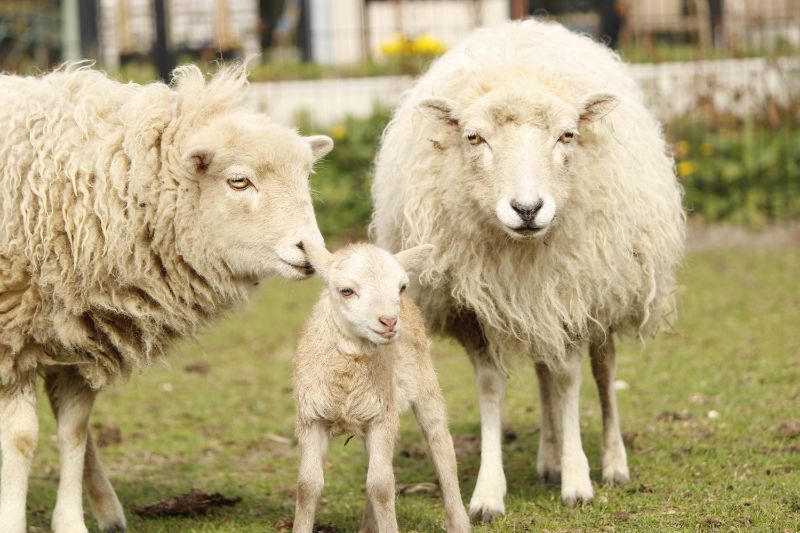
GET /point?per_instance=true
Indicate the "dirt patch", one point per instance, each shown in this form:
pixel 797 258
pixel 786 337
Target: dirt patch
pixel 674 416
pixel 285 523
pixel 192 503
pixel 199 367
pixel 107 435
pixel 788 429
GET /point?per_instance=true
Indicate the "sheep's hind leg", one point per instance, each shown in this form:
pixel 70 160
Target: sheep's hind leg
pixel 72 403
pixel 19 432
pixel 102 499
pixel 576 487
pixel 615 461
pixel 548 458
pixel 490 490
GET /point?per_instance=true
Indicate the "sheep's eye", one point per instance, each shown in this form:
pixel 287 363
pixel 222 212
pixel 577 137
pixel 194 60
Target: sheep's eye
pixel 566 137
pixel 239 183
pixel 474 139
pixel 403 288
pixel 347 292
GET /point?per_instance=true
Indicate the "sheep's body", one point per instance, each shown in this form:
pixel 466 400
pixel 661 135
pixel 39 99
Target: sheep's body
pixel 109 194
pixel 608 262
pixel 345 383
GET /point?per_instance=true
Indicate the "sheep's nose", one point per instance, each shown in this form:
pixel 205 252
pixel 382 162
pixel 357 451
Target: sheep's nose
pixel 388 322
pixel 527 212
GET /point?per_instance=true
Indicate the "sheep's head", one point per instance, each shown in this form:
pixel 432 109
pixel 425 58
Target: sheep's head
pixel 516 142
pixel 364 284
pixel 251 196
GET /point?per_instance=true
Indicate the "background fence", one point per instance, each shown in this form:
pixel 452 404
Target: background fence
pixel 723 75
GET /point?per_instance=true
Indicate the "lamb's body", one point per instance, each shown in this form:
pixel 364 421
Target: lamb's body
pixel 605 264
pixel 113 242
pixel 345 383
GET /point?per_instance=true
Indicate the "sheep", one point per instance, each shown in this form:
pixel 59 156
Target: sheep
pixel 130 215
pixel 362 358
pixel 527 157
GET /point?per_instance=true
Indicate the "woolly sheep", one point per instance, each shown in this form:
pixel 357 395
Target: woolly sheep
pixel 363 358
pixel 527 157
pixel 129 216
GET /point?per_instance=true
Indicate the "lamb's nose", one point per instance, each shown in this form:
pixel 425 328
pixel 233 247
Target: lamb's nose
pixel 388 322
pixel 527 212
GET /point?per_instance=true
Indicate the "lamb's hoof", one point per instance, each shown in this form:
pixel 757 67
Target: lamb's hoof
pixel 115 528
pixel 616 478
pixel 484 515
pixel 575 498
pixel 550 477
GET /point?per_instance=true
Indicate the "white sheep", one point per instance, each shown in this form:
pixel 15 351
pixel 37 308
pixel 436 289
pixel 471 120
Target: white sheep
pixel 362 359
pixel 129 216
pixel 527 157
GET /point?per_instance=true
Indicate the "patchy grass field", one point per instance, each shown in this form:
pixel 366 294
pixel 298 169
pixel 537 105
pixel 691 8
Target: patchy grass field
pixel 218 417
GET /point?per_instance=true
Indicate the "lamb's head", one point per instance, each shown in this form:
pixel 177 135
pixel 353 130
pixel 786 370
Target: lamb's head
pixel 515 140
pixel 251 200
pixel 364 284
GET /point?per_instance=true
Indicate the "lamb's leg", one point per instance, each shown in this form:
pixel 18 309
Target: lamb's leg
pixel 102 499
pixel 490 489
pixel 72 402
pixel 576 487
pixel 19 432
pixel 548 459
pixel 368 523
pixel 615 461
pixel 380 475
pixel 313 441
pixel 432 418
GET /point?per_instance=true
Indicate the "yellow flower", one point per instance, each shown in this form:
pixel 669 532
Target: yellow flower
pixel 681 149
pixel 706 149
pixel 395 46
pixel 686 168
pixel 428 45
pixel 339 132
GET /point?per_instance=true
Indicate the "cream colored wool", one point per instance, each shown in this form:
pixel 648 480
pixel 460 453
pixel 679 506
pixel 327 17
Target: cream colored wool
pixel 532 110
pixel 130 216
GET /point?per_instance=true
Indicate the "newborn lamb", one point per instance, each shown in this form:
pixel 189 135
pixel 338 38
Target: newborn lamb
pixel 362 359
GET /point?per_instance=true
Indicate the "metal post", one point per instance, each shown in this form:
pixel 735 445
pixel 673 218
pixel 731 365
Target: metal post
pixel 163 58
pixel 70 31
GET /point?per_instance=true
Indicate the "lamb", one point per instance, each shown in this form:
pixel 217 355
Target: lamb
pixel 527 157
pixel 130 216
pixel 363 358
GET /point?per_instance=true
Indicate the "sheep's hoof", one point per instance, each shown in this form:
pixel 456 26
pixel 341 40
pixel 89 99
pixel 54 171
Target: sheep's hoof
pixel 484 515
pixel 550 477
pixel 616 478
pixel 574 500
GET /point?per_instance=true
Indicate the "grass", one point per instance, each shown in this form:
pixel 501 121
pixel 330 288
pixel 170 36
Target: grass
pixel 736 350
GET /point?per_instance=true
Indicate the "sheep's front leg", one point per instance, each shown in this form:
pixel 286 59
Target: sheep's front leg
pixel 615 461
pixel 19 432
pixel 380 478
pixel 576 487
pixel 548 458
pixel 490 490
pixel 72 402
pixel 102 499
pixel 432 418
pixel 313 441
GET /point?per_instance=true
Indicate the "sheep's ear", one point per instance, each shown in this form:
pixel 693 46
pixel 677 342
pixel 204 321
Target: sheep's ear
pixel 412 259
pixel 320 146
pixel 596 105
pixel 442 110
pixel 199 158
pixel 318 256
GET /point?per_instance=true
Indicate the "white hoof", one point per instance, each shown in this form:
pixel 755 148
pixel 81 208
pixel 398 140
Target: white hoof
pixel 487 501
pixel 576 487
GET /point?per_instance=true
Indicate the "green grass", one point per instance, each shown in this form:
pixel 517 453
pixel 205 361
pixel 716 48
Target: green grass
pixel 736 350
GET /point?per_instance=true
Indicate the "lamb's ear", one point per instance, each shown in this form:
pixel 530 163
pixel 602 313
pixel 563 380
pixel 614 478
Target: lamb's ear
pixel 412 259
pixel 442 110
pixel 199 158
pixel 320 146
pixel 596 105
pixel 318 256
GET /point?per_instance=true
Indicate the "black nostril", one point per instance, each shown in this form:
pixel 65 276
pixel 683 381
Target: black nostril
pixel 300 245
pixel 527 212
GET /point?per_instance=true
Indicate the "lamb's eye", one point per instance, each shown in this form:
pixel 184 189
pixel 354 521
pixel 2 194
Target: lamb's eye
pixel 347 292
pixel 403 288
pixel 474 139
pixel 566 137
pixel 239 183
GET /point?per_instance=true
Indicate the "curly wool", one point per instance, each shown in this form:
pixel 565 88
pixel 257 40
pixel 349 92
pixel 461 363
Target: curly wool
pixel 608 262
pixel 92 271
